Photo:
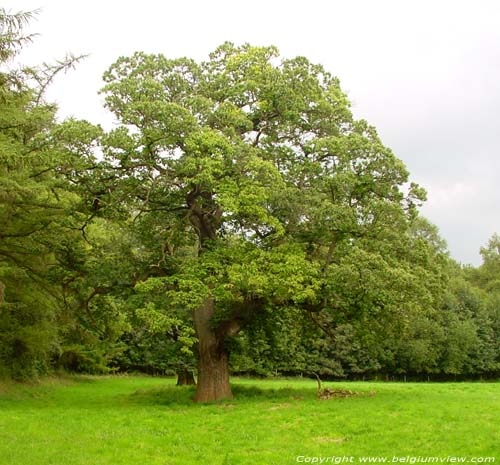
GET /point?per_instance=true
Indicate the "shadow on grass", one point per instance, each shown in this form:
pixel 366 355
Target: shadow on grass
pixel 77 378
pixel 40 387
pixel 175 395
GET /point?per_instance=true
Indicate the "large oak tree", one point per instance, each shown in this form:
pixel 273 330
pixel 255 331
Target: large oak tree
pixel 263 192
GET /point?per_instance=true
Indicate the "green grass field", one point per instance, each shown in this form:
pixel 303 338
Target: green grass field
pixel 149 421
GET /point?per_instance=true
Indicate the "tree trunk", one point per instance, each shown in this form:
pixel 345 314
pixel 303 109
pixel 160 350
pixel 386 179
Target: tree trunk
pixel 185 378
pixel 2 292
pixel 213 360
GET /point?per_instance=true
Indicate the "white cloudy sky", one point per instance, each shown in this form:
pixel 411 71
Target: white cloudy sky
pixel 425 73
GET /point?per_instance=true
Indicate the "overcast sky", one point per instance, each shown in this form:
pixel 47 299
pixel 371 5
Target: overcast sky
pixel 425 73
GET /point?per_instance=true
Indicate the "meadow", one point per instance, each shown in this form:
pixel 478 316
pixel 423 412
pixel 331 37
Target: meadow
pixel 124 420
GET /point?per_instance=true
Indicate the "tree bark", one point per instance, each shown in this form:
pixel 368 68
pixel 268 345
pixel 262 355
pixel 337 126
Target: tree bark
pixel 185 378
pixel 213 359
pixel 2 292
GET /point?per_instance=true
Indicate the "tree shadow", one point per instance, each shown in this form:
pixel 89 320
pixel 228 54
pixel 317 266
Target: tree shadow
pixel 183 395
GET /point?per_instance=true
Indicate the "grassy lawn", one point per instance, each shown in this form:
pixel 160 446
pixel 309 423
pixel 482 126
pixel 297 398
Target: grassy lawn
pixel 148 421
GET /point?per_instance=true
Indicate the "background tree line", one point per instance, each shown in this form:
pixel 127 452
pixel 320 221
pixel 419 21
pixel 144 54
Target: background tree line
pixel 237 213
